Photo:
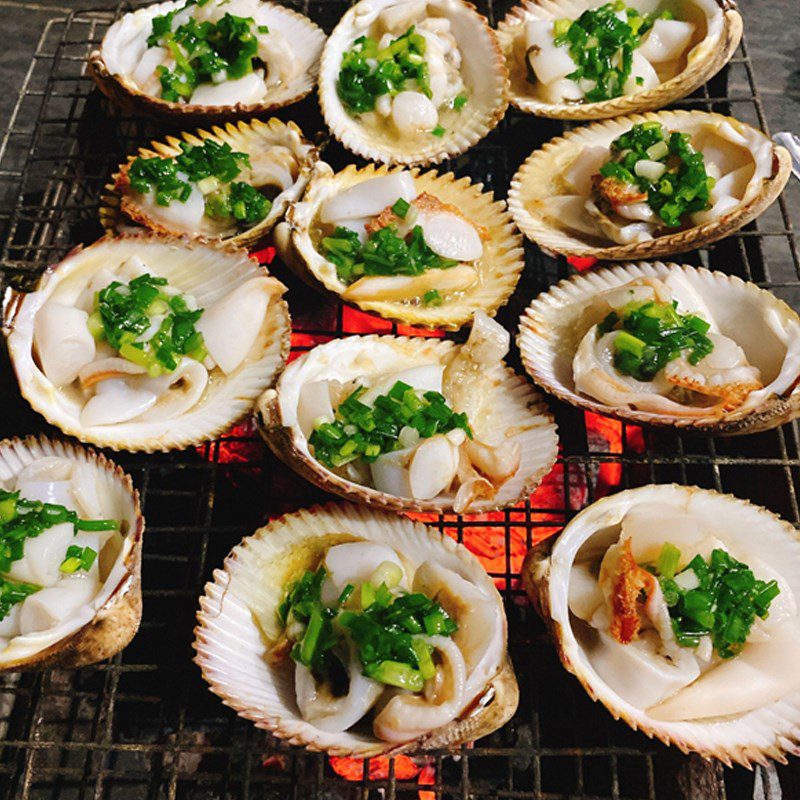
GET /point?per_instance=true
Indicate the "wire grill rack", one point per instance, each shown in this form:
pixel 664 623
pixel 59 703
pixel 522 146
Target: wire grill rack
pixel 144 724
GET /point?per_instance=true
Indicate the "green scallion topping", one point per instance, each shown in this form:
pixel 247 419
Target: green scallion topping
pixel 78 558
pixel 432 298
pixel 13 592
pixel 459 101
pixel 439 131
pixel 401 207
pixel 651 334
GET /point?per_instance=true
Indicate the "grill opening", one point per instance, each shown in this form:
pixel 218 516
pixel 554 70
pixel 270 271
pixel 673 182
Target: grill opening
pixel 144 724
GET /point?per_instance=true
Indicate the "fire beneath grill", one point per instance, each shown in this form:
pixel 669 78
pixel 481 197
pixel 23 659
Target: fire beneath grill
pixel 406 768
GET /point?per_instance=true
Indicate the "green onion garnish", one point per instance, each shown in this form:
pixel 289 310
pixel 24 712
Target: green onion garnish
pixel 78 558
pixel 401 207
pixel 439 131
pixel 459 101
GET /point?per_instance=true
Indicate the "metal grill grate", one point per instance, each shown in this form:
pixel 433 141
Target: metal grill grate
pixel 144 725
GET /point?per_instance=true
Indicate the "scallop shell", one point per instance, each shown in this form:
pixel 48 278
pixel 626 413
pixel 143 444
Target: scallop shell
pixel 118 211
pixel 514 409
pixel 714 43
pixel 206 270
pixel 556 321
pixel 541 177
pixel 500 266
pixel 118 606
pixel 767 732
pixel 483 70
pixel 238 608
pixel 306 38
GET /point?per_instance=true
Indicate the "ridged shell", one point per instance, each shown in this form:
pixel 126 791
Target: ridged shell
pixel 255 138
pixel 118 606
pixel 513 408
pixel 555 322
pixel 483 69
pixel 541 176
pixel 768 732
pixel 231 645
pixel 499 268
pixel 206 270
pixel 712 48
pixel 305 37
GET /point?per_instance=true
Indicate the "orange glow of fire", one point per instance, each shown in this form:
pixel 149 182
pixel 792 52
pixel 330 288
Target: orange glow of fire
pixel 405 769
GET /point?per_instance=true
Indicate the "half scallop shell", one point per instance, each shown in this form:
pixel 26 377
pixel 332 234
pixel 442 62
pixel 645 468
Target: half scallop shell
pixel 765 327
pixel 483 70
pixel 753 737
pixel 275 148
pixel 541 177
pixel 499 268
pixel 110 68
pixel 205 270
pixel 238 615
pixel 112 619
pixel 717 35
pixel 513 410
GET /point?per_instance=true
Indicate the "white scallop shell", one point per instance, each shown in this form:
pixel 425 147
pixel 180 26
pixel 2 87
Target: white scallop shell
pixel 717 35
pixel 768 732
pixel 237 620
pixel 483 70
pixel 764 326
pixel 111 620
pixel 513 410
pixel 541 177
pixel 255 138
pixel 207 271
pixel 305 37
pixel 499 267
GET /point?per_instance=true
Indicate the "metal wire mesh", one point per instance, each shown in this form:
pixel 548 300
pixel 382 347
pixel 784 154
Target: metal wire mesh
pixel 144 725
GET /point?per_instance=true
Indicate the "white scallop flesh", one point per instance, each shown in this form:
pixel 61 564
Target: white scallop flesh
pixel 47 480
pixel 639 672
pixel 640 212
pixel 368 198
pixel 144 75
pixel 408 716
pixel 130 43
pixel 398 18
pixel 389 473
pixel 413 113
pixel 182 216
pixel 105 368
pixel 245 90
pixel 761 674
pixel 354 562
pixel 63 342
pixel 86 491
pixel 278 57
pixel 561 91
pixel 100 280
pixel 488 341
pixel 727 193
pixel 424 378
pixel 641 69
pixel 585 595
pixel 432 467
pixel 782 607
pixel 388 288
pixel 335 714
pixel 548 61
pixel 666 40
pixel 42 556
pixel 649 527
pixel 451 236
pixel 444 79
pixel 632 232
pixel 52 606
pixel 115 401
pixel 231 325
pixel 9 625
pixel 177 391
pixel 314 403
pixel 630 293
pixel 580 173
pixel 569 212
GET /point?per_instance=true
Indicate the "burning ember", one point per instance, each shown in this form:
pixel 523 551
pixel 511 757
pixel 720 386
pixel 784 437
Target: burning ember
pixel 405 769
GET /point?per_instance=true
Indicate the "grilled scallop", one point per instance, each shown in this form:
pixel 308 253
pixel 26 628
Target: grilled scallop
pixel 222 59
pixel 456 681
pixel 674 48
pixel 233 183
pixel 148 343
pixel 412 424
pixel 417 247
pixel 681 621
pixel 646 186
pixel 70 571
pixel 412 82
pixel 728 361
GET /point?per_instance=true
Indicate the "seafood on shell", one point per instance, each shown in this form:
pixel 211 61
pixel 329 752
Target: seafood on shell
pixel 558 200
pixel 466 77
pixel 280 163
pixel 142 393
pixel 470 234
pixel 136 59
pixel 599 586
pixel 745 384
pixel 242 643
pixel 66 616
pixel 511 445
pixel 674 58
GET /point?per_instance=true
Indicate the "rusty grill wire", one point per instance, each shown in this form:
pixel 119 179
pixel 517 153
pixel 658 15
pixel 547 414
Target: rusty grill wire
pixel 144 724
